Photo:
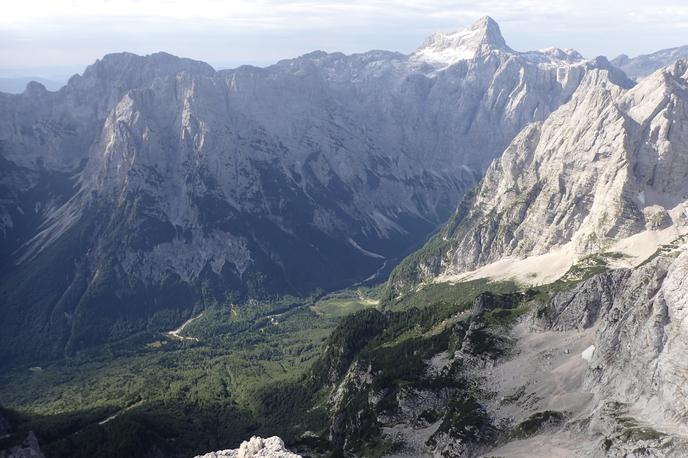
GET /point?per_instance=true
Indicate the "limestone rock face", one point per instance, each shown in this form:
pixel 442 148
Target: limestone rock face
pixel 158 175
pixel 588 174
pixel 638 342
pixel 56 130
pixel 256 447
pixel 581 307
pixel 609 164
pixel 634 373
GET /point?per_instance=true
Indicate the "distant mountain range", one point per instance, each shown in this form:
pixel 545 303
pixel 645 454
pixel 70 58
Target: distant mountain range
pixel 641 66
pixel 162 186
pixel 537 203
pixel 17 85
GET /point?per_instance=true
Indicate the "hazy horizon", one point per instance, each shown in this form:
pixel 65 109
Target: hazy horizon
pixel 54 40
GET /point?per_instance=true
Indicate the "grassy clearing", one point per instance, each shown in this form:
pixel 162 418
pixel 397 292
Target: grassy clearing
pixel 343 303
pixel 449 293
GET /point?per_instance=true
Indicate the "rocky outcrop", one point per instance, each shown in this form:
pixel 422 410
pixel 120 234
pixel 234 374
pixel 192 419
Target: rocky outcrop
pixel 623 393
pixel 581 307
pixel 638 341
pixel 256 447
pixel 29 448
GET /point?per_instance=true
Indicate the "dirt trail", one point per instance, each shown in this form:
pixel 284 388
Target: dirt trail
pixel 175 334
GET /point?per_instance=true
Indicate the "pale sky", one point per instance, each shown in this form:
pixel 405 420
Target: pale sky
pixel 56 38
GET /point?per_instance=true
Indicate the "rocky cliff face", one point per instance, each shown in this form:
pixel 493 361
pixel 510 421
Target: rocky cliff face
pixel 162 185
pixel 624 390
pixel 636 363
pixel 608 165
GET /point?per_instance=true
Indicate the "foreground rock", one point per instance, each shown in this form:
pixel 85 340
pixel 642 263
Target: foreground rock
pixel 256 447
pixel 27 449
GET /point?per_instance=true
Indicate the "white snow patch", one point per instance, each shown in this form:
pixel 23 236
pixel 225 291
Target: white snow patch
pixel 447 56
pixel 588 352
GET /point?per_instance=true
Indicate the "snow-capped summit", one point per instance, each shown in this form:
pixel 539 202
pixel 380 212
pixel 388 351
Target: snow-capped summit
pixel 481 39
pixel 448 48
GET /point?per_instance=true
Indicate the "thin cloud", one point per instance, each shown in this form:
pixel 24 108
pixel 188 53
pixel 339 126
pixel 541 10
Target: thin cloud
pixel 40 34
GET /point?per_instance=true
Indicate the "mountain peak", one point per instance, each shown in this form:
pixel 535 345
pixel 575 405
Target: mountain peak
pixel 489 30
pixel 128 66
pixel 480 37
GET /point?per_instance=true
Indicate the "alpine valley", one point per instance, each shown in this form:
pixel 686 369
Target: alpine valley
pixel 464 251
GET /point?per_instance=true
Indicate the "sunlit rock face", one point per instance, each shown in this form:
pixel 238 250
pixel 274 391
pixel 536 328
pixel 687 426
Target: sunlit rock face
pixel 606 172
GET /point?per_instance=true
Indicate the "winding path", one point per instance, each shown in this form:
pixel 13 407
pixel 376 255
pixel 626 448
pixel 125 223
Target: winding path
pixel 175 334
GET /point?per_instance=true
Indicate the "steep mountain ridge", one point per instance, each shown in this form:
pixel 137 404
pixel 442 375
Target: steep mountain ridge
pixel 54 130
pixel 606 166
pixel 482 39
pixel 164 186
